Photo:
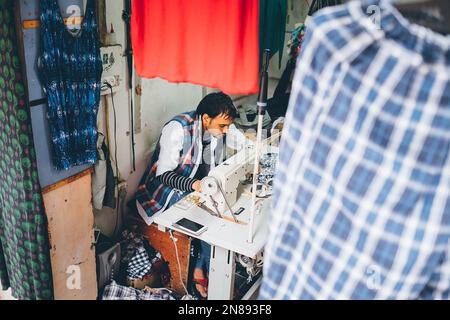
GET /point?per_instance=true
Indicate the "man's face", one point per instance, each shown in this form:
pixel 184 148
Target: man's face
pixel 217 126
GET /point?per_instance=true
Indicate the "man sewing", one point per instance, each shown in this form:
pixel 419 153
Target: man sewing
pixel 189 146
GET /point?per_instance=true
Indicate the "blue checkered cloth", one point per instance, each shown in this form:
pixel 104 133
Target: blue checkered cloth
pixel 361 206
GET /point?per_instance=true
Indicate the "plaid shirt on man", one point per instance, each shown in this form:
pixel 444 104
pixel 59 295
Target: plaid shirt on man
pixel 361 206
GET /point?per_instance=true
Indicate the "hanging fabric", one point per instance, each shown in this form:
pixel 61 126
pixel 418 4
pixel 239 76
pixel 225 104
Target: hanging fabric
pixel 277 105
pixel 272 27
pixel 211 43
pixel 70 69
pixel 295 43
pixel 365 162
pixel 103 181
pixel 24 250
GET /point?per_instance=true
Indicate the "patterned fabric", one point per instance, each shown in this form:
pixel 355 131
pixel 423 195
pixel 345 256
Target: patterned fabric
pixel 139 258
pixel 140 265
pixel 24 249
pixel 70 70
pixel 295 43
pixel 361 206
pixel 177 181
pixel 114 291
pixel 152 194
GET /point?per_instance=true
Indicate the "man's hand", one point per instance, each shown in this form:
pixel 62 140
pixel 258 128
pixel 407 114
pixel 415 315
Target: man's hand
pixel 197 186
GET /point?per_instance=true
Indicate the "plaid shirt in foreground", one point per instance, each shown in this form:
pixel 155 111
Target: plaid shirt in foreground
pixel 114 291
pixel 361 202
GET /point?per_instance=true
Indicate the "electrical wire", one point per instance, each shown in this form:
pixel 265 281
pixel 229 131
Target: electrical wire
pixel 178 261
pixel 108 85
pixel 116 161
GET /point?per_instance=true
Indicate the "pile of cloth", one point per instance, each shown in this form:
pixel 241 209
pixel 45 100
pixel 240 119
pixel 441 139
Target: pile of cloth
pixel 114 291
pixel 268 164
pixel 143 265
pixel 144 273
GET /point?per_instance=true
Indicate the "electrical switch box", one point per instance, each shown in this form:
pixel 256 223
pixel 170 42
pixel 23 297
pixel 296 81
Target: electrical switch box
pixel 113 69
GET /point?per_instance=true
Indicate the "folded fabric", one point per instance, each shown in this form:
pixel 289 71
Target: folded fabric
pixel 114 291
pixel 140 265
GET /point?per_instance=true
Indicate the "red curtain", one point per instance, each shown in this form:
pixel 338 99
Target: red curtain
pixel 212 43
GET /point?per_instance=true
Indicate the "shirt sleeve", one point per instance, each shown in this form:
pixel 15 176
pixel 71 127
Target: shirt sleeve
pixel 236 139
pixel 177 181
pixel 171 144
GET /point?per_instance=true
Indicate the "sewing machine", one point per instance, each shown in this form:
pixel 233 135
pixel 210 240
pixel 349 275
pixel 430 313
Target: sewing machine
pixel 224 206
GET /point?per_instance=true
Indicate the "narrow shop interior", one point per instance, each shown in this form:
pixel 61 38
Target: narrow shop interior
pixel 222 150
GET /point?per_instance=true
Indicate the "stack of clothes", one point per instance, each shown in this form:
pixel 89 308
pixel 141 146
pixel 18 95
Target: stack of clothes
pixel 114 291
pixel 144 273
pixel 143 264
pixel 146 270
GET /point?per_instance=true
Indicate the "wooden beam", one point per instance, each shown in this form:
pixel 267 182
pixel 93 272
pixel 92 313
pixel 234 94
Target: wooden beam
pixel 35 23
pixel 67 180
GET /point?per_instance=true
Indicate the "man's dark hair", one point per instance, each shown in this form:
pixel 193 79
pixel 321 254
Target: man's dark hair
pixel 215 104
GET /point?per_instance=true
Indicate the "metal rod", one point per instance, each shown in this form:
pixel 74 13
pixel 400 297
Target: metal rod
pixel 255 177
pixel 216 206
pixel 262 104
pixel 226 202
pixel 126 16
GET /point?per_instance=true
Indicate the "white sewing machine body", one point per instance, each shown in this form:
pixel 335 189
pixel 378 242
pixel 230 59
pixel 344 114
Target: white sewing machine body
pixel 224 184
pixel 224 234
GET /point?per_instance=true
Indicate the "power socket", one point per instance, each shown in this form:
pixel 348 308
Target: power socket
pixel 113 69
pixel 122 186
pixel 111 80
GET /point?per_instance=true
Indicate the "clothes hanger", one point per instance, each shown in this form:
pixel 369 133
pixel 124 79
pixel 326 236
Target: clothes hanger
pixel 432 14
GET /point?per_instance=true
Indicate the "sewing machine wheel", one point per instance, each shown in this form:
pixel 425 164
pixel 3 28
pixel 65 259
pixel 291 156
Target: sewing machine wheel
pixel 209 186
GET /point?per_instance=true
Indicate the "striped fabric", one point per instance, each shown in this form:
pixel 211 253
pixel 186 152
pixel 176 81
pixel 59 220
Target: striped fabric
pixel 361 206
pixel 153 195
pixel 176 181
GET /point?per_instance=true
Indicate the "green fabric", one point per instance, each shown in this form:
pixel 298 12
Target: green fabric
pixel 24 248
pixel 272 27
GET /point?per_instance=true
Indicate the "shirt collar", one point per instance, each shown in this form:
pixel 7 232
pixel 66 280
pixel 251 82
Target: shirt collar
pixel 431 46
